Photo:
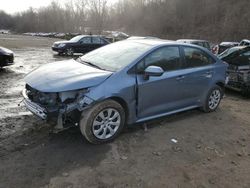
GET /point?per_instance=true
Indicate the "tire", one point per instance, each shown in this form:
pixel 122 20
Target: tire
pixel 70 51
pixel 103 122
pixel 213 99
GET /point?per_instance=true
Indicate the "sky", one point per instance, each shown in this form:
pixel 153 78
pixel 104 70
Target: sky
pixel 13 6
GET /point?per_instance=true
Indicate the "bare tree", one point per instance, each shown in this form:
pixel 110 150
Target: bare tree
pixel 209 19
pixel 97 14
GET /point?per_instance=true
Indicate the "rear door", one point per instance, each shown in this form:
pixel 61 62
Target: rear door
pixel 198 71
pixel 97 42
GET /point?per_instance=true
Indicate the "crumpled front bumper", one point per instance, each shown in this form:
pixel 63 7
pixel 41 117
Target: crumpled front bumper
pixel 33 107
pixel 57 112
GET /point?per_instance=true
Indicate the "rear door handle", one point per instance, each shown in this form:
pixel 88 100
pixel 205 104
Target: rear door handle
pixel 179 78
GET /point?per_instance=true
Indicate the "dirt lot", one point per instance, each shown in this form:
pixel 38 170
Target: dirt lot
pixel 213 150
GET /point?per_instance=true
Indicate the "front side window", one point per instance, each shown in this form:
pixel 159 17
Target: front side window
pixel 168 58
pixel 85 40
pixel 196 58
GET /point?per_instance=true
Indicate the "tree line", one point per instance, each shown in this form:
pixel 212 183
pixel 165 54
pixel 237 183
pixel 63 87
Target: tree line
pixel 214 20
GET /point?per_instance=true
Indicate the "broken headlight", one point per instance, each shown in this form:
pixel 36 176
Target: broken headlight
pixel 47 99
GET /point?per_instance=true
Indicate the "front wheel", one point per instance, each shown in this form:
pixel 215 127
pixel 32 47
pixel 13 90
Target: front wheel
pixel 103 122
pixel 70 51
pixel 213 99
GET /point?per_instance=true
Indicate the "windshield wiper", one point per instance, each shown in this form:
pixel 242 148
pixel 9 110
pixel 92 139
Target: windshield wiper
pixel 89 63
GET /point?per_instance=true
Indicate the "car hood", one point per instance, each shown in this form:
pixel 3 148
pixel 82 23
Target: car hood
pixel 65 76
pixel 5 51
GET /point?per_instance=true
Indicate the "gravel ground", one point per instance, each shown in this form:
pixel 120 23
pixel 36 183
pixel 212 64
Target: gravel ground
pixel 212 150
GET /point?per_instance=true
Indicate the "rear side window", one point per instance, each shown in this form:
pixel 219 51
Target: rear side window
pixel 196 58
pixel 85 40
pixel 96 40
pixel 168 58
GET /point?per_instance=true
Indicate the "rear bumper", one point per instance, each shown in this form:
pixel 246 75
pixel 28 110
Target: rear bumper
pixel 33 107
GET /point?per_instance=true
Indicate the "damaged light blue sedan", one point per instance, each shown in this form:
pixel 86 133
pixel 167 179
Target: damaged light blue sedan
pixel 125 83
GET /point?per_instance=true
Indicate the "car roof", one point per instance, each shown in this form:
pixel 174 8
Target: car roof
pixel 191 40
pixel 89 36
pixel 160 42
pixel 151 42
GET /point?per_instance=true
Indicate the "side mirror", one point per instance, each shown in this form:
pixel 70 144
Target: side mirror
pixel 153 71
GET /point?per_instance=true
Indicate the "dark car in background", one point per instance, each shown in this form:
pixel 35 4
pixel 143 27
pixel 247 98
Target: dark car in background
pixel 6 57
pixel 238 59
pixel 219 48
pixel 202 43
pixel 79 44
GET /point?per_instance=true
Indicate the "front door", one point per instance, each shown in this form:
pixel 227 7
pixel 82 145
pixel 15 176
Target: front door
pixel 84 45
pixel 161 94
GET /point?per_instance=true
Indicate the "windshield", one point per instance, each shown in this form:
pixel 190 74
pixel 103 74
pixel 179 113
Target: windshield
pixel 116 56
pixel 76 39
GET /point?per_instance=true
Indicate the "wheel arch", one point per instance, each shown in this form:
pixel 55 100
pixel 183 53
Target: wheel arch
pixel 123 103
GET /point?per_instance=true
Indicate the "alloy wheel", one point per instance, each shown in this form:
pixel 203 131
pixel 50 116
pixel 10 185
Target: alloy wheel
pixel 70 51
pixel 106 123
pixel 214 99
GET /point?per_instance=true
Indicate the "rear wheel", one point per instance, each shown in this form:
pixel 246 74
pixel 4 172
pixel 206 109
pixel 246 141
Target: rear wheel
pixel 103 122
pixel 213 99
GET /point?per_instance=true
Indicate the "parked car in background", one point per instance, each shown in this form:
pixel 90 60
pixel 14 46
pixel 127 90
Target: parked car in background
pixel 79 44
pixel 202 43
pixel 238 59
pixel 219 48
pixel 244 42
pixel 6 57
pixel 125 82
